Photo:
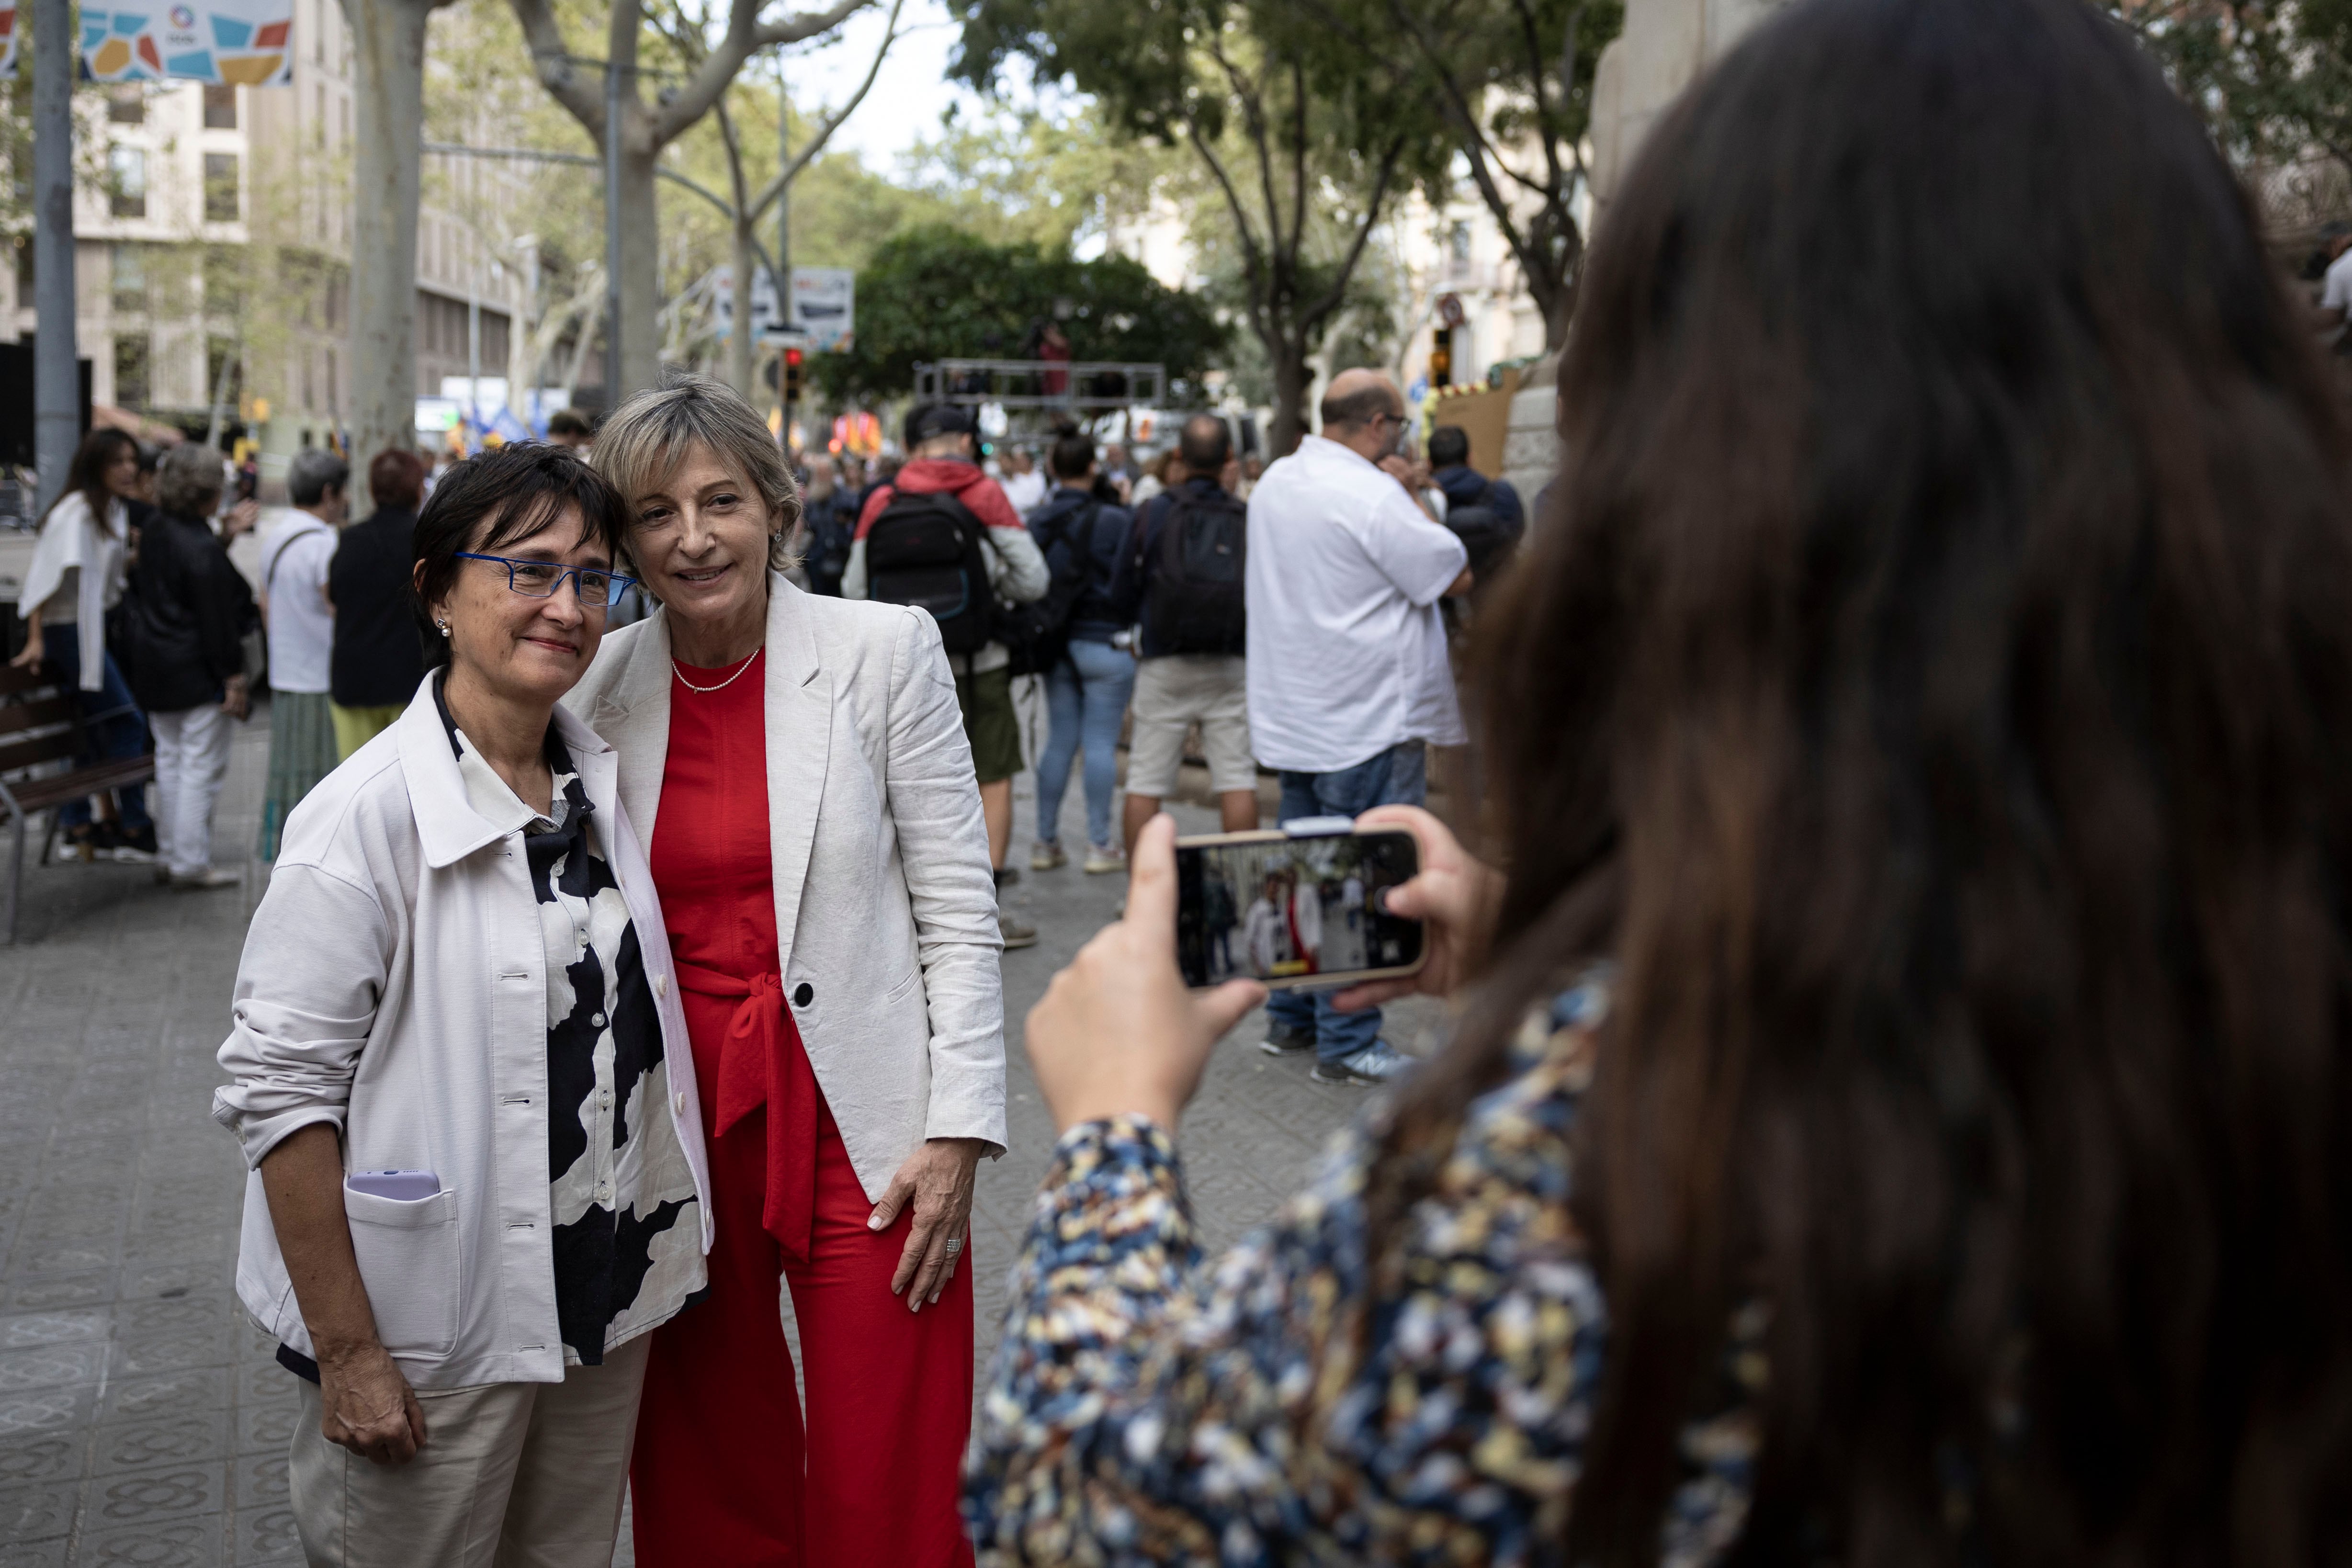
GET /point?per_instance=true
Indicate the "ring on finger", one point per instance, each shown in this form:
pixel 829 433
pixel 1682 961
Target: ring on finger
pixel 955 1245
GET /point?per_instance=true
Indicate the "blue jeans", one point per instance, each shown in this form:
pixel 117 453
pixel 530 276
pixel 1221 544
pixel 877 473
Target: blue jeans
pixel 1086 698
pixel 120 730
pixel 1397 777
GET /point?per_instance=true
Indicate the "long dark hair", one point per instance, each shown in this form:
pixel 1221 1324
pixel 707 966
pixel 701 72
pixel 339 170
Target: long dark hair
pixel 87 477
pixel 1933 689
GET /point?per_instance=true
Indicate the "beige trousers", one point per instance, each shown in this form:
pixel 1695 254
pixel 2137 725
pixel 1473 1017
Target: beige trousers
pixel 512 1475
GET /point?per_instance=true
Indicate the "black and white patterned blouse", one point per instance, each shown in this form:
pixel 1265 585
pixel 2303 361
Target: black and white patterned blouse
pixel 627 1233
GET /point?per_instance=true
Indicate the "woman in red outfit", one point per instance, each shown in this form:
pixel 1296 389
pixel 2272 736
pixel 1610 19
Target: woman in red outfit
pixel 800 768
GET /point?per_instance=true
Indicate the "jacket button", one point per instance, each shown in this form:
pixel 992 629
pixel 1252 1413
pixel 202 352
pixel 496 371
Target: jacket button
pixel 661 985
pixel 804 994
pixel 678 1101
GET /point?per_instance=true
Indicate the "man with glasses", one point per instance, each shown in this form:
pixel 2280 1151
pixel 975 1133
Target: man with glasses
pixel 1348 682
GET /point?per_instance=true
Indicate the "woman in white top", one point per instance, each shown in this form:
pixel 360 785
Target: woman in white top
pixel 78 563
pixel 461 1076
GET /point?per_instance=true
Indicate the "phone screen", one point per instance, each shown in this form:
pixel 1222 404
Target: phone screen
pixel 1294 911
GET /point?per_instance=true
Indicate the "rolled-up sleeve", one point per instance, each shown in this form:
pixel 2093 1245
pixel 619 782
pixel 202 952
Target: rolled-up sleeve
pixel 1421 558
pixel 306 989
pixel 943 849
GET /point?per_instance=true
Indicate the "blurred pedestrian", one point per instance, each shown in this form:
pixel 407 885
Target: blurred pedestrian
pixel 1348 682
pixel 76 576
pixel 941 491
pixel 189 612
pixel 1025 483
pixel 1897 1112
pixel 1190 548
pixel 300 621
pixel 1087 690
pixel 1159 474
pixel 570 429
pixel 456 1007
pixel 379 651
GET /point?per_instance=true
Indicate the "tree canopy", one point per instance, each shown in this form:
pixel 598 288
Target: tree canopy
pixel 937 292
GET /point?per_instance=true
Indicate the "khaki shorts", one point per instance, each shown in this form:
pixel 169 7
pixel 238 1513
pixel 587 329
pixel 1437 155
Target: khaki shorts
pixel 1176 690
pixel 989 722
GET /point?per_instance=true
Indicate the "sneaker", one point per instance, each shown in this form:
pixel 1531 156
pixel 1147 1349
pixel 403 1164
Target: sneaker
pixel 1281 1039
pixel 206 879
pixel 136 849
pixel 1017 933
pixel 90 841
pixel 1047 857
pixel 1377 1063
pixel 1100 860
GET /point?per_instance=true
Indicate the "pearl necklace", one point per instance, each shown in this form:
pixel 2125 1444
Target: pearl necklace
pixel 679 671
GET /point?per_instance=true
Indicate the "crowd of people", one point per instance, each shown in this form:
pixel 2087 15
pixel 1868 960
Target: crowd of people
pixel 1896 1109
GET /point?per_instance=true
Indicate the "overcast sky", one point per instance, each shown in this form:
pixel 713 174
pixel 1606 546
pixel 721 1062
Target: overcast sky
pixel 909 95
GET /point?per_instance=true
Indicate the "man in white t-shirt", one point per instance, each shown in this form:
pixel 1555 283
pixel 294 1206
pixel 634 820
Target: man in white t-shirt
pixel 301 623
pixel 1349 681
pixel 2335 290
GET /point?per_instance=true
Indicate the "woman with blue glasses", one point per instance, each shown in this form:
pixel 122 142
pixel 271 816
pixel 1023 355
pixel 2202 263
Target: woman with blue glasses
pixel 462 1078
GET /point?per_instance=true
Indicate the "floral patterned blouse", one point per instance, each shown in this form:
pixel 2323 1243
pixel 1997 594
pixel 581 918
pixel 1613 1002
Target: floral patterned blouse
pixel 1151 1407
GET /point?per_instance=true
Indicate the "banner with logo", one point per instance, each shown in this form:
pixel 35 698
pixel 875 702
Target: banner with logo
pixel 237 43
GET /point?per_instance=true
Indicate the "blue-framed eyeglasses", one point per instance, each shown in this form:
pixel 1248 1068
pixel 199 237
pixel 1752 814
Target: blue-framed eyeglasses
pixel 541 580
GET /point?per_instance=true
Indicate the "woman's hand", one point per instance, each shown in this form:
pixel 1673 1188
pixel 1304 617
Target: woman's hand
pixel 1117 1031
pixel 1454 896
pixel 937 1179
pixel 33 650
pixel 367 1407
pixel 235 700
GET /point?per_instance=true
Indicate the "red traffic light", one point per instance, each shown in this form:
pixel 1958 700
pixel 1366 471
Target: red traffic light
pixel 792 356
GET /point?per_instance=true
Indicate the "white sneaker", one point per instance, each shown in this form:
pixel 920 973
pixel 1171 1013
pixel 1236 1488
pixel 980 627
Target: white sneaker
pixel 206 879
pixel 1100 861
pixel 1047 857
pixel 1377 1063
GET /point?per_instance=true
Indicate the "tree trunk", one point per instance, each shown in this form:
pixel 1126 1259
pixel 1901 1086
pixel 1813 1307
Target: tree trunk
pixel 738 343
pixel 640 265
pixel 388 61
pixel 1292 377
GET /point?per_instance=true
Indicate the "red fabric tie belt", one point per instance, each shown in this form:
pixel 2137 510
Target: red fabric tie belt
pixel 762 1061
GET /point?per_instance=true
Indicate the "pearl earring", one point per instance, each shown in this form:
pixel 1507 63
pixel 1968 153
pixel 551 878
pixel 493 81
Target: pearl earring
pixel 444 627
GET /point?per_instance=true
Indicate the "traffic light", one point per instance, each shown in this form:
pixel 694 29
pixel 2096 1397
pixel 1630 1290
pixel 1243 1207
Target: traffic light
pixel 791 375
pixel 1441 357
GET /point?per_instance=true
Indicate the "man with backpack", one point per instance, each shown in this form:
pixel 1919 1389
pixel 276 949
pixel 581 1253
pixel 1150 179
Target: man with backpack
pixel 1191 546
pixel 1089 672
pixel 941 534
pixel 1485 514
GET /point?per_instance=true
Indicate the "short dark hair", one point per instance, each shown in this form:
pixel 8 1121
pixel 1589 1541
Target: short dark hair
pixel 1361 407
pixel 1074 453
pixel 563 421
pixel 1448 444
pixel 1204 443
pixel 396 479
pixel 502 498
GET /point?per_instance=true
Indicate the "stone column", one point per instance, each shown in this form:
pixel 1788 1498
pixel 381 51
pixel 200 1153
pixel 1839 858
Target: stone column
pixel 1665 45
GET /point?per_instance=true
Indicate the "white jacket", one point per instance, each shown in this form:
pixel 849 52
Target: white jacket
pixel 394 986
pixel 71 541
pixel 885 911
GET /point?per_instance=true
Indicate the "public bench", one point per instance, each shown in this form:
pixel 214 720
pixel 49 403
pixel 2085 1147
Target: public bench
pixel 41 726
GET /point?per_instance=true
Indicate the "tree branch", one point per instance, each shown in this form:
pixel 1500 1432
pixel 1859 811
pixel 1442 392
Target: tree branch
pixel 1252 263
pixel 774 188
pixel 551 60
pixel 745 37
pixel 1370 221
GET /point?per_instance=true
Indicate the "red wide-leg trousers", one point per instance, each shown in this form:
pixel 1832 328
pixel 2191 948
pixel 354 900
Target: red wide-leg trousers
pixel 724 1474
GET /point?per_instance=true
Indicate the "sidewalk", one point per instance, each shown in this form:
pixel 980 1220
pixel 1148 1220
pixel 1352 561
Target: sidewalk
pixel 141 1419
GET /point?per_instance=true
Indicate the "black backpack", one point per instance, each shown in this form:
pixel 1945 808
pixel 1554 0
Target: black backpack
pixel 1037 634
pixel 1488 538
pixel 1196 601
pixel 929 551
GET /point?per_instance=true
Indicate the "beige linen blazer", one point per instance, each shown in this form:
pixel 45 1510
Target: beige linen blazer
pixel 886 910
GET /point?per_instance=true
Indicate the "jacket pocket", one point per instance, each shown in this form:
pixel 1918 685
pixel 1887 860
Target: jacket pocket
pixel 408 1260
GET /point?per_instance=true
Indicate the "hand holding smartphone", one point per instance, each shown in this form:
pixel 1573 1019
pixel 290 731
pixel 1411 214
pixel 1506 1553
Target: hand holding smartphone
pixel 1296 907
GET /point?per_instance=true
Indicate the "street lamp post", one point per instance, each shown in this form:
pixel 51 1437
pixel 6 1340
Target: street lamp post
pixel 57 383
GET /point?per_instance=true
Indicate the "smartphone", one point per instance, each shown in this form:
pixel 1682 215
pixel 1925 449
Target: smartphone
pixel 404 1186
pixel 1296 907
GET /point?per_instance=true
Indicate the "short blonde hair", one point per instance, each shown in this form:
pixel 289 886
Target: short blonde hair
pixel 642 445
